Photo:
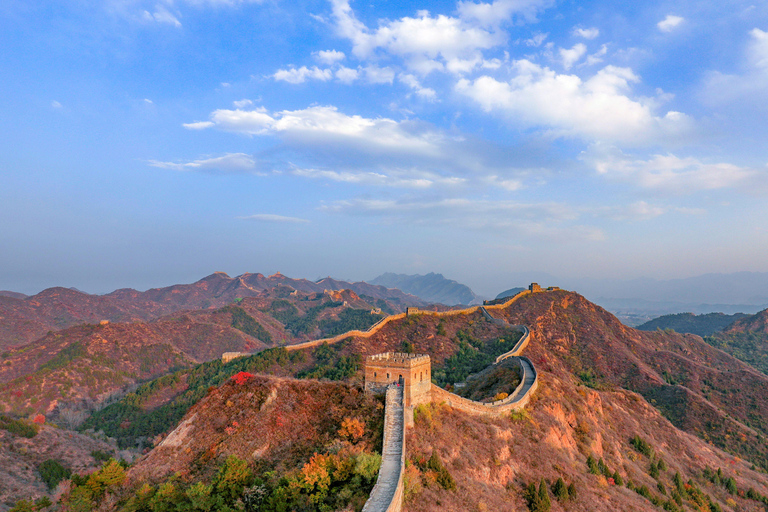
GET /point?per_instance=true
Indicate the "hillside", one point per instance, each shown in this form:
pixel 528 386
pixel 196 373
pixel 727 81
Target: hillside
pixel 745 339
pixel 701 325
pixel 25 319
pixel 651 411
pixel 700 389
pixel 430 288
pixel 72 371
pixel 23 456
pixel 459 346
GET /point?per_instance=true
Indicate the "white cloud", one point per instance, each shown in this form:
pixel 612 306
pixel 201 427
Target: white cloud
pixel 424 93
pixel 597 108
pixel 415 179
pixel 325 123
pixel 231 162
pixel 510 185
pixel 329 57
pixel 749 86
pixel 597 57
pixel 148 101
pixel 586 33
pixel 161 15
pixel 639 210
pixel 300 75
pixel 377 75
pixel 347 75
pixel 426 42
pixel 242 103
pixel 270 217
pixel 544 220
pixel 198 125
pixel 667 173
pixel 670 23
pixel 571 56
pixel 758 49
pixel 536 40
pixel 322 142
pixel 55 104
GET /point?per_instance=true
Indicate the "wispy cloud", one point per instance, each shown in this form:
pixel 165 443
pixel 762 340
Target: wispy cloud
pixel 669 173
pixel 586 33
pixel 669 23
pixel 535 221
pixel 161 15
pixel 231 162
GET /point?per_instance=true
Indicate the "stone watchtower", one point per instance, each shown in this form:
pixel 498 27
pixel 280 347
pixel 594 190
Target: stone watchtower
pixel 412 371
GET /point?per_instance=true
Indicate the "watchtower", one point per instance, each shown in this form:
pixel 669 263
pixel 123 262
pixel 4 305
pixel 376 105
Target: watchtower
pixel 534 287
pixel 412 371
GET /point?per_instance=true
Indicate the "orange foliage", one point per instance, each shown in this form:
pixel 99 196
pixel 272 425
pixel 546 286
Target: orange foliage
pixel 352 428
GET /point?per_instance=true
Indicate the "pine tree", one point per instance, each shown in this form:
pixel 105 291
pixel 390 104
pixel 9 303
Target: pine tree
pixel 560 490
pixel 572 491
pixel 592 465
pixel 617 478
pixel 545 502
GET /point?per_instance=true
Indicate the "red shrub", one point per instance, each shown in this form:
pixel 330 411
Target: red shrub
pixel 39 419
pixel 242 377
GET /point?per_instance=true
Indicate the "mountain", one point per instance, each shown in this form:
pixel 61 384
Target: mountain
pixel 69 372
pixel 510 293
pixel 13 295
pixel 632 420
pixel 745 339
pixel 24 319
pixel 702 325
pixel 757 323
pixel 430 288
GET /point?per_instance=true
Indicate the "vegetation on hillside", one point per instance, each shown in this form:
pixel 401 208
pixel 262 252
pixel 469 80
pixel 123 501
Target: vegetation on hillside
pixel 133 425
pixel 750 347
pixel 473 355
pixel 244 322
pixel 702 325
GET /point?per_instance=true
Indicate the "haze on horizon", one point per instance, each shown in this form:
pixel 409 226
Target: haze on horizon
pixel 146 143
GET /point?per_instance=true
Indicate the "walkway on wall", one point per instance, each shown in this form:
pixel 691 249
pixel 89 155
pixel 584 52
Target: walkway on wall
pixel 386 495
pixel 529 379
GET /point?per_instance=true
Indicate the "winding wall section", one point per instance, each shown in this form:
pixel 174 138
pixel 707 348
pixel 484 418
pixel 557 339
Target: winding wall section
pixel 387 494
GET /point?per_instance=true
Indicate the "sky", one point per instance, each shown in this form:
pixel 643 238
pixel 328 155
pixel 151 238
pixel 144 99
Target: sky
pixel 151 142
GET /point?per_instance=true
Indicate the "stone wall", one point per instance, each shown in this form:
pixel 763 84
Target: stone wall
pixel 387 494
pixel 228 356
pixel 517 400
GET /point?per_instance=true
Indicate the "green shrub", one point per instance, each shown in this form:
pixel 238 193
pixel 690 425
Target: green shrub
pixel 52 472
pixel 641 445
pixel 18 427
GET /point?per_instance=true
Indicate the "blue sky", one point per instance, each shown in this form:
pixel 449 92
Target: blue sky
pixel 144 143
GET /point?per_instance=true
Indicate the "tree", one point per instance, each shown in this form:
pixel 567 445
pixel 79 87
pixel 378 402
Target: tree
pixel 544 502
pixel 560 490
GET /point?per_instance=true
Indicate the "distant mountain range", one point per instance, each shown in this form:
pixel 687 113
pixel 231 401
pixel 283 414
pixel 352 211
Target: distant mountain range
pixel 27 318
pixel 430 288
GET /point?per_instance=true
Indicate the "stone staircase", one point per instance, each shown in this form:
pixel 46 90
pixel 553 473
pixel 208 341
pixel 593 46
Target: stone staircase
pixel 387 494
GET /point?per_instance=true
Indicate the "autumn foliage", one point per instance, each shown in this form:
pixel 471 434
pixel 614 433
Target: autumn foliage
pixel 242 377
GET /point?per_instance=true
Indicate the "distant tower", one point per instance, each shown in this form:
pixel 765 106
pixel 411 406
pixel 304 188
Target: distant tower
pixel 412 371
pixel 534 287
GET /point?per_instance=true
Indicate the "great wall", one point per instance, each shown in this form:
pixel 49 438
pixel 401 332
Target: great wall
pixel 408 390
